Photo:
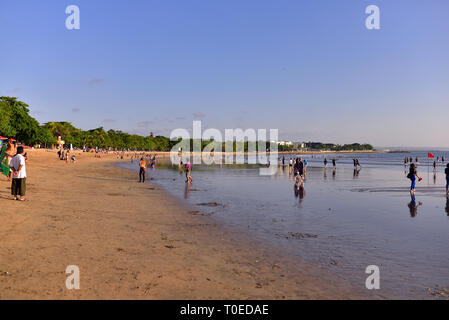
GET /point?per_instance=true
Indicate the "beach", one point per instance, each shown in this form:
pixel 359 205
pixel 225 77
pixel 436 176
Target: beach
pixel 134 241
pixel 342 220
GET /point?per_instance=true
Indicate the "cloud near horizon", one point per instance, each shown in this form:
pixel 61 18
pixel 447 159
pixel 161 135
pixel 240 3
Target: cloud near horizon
pixel 96 81
pixel 199 115
pixel 144 124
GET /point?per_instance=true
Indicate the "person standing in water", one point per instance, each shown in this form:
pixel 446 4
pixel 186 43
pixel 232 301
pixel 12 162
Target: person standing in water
pixel 413 174
pixel 301 169
pixel 446 171
pixel 142 170
pixel 325 162
pixel 188 169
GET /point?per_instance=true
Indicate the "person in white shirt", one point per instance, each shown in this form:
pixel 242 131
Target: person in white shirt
pixel 19 175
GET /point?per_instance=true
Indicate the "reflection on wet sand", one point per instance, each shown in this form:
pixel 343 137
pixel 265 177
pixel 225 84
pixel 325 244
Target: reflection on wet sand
pixel 413 206
pixel 300 191
pixel 447 205
pixel 187 191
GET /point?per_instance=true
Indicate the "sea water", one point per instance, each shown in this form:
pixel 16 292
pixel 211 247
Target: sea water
pixel 343 220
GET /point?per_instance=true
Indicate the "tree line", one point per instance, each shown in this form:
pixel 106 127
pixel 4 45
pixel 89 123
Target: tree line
pixel 16 122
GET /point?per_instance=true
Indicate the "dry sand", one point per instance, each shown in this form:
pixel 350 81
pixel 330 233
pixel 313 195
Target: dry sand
pixel 133 241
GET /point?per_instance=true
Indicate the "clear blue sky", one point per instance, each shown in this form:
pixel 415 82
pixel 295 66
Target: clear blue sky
pixel 309 68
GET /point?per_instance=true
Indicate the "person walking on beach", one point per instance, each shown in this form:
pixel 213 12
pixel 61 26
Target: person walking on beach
pixel 446 171
pixel 188 169
pixel 413 174
pixel 334 163
pixel 325 162
pixel 142 170
pixel 19 174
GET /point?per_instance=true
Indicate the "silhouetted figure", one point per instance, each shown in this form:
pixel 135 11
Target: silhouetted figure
pixel 446 171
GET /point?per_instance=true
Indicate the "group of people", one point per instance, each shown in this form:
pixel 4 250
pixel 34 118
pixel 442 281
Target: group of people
pixel 143 165
pixel 64 155
pixel 16 159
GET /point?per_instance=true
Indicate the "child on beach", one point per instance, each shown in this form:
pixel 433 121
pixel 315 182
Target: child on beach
pixel 19 174
pixel 413 174
pixel 446 171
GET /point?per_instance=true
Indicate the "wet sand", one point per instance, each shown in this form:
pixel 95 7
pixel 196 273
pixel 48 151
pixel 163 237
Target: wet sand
pixel 134 241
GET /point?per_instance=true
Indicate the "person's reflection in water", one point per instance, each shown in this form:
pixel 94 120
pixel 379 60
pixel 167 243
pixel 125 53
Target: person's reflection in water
pixel 356 173
pixel 413 206
pixel 187 191
pixel 334 172
pixel 325 173
pixel 302 192
pixel 296 189
pixel 434 178
pixel 447 205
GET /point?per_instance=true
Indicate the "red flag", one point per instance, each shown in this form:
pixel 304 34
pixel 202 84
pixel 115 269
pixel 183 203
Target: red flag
pixel 429 155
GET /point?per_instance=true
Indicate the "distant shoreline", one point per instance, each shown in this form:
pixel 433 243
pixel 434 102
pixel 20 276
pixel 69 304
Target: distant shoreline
pixel 167 153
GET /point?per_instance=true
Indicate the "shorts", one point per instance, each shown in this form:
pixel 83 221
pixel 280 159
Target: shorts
pixel 18 187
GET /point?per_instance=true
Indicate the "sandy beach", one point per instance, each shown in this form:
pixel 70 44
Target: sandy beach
pixel 133 241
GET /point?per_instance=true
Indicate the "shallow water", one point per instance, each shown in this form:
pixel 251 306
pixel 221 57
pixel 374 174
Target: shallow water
pixel 344 221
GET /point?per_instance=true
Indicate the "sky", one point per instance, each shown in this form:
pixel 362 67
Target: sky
pixel 309 68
